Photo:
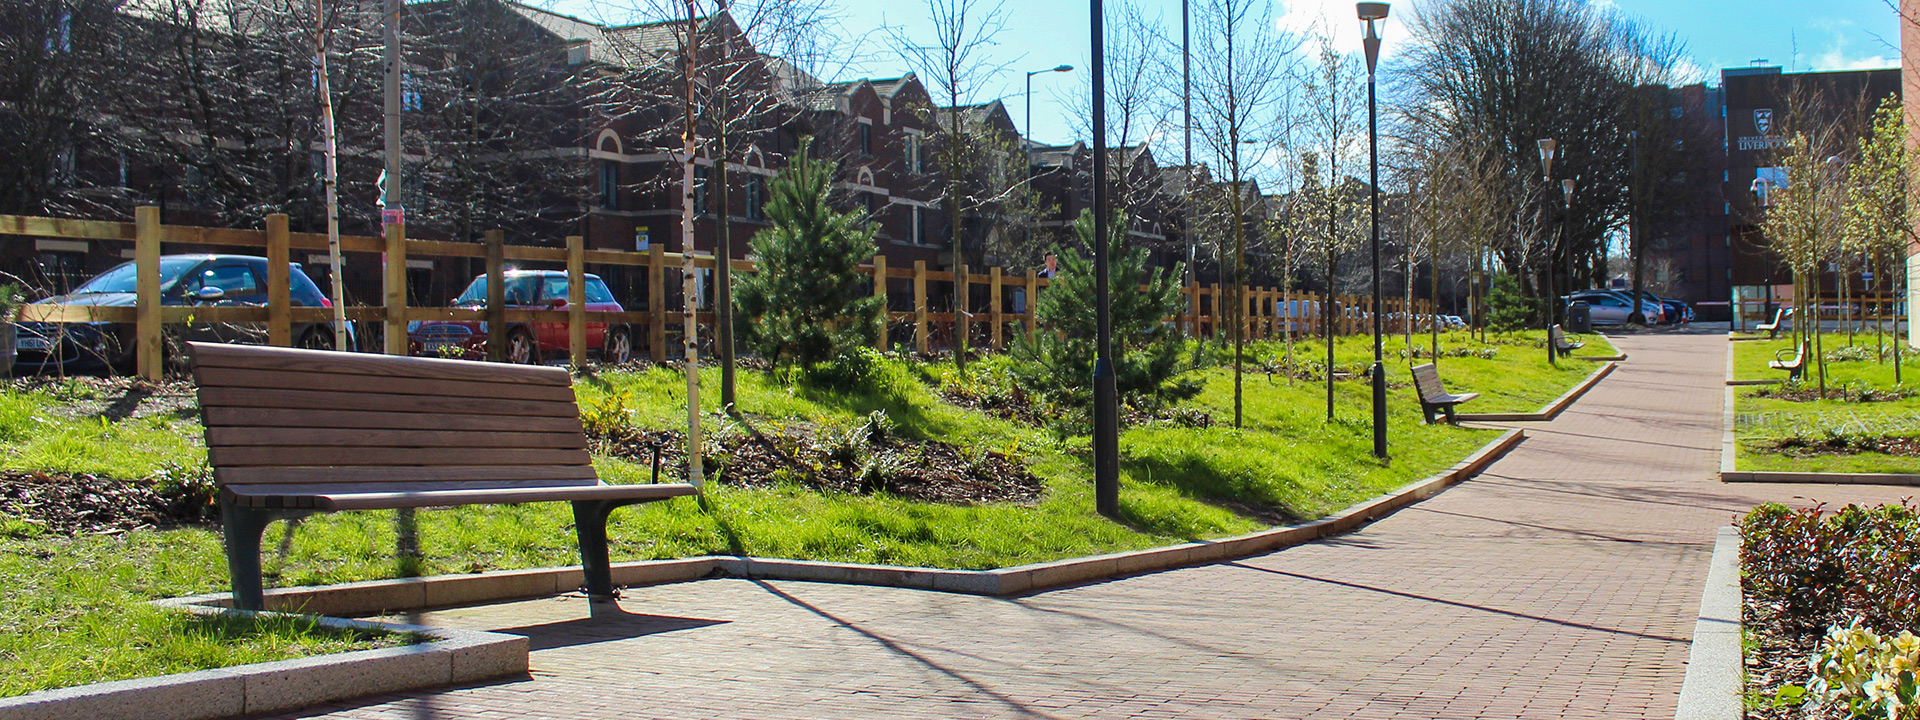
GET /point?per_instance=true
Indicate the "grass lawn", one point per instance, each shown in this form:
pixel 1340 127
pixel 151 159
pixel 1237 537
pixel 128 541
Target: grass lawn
pixel 1764 420
pixel 1287 463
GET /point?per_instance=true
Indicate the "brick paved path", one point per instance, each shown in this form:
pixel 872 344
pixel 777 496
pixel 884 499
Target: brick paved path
pixel 1562 583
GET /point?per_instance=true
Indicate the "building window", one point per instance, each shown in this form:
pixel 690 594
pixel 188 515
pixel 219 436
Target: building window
pixel 866 139
pixel 913 153
pixel 873 205
pixel 609 185
pixel 700 189
pixel 61 39
pixel 756 198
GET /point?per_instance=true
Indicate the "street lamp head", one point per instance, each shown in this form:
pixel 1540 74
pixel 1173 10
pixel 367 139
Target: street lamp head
pixel 1566 186
pixel 1546 157
pixel 1064 68
pixel 1371 11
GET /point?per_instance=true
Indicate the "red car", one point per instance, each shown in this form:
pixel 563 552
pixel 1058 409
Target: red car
pixel 527 343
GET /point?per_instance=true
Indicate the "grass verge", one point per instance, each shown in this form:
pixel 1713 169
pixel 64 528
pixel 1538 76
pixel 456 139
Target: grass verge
pixel 1872 407
pixel 1286 463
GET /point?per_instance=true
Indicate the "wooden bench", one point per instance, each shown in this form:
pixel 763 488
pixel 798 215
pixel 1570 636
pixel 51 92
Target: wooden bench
pixel 1773 328
pixel 1557 339
pixel 1434 395
pixel 1796 368
pixel 295 432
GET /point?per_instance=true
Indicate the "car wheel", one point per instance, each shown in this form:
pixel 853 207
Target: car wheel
pixel 521 349
pixel 619 347
pixel 316 339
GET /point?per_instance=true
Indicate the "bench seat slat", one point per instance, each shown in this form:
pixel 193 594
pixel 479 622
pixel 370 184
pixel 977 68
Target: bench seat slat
pixel 374 474
pixel 284 379
pixel 434 498
pixel 244 417
pixel 212 355
pixel 340 438
pixel 302 455
pixel 325 400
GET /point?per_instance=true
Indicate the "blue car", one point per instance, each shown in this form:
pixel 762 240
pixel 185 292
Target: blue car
pixel 219 280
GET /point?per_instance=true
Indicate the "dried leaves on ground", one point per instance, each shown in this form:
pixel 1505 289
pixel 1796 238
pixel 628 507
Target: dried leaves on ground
pixel 33 503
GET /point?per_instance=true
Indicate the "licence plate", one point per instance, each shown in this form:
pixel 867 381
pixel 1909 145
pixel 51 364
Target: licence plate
pixel 33 343
pixel 434 346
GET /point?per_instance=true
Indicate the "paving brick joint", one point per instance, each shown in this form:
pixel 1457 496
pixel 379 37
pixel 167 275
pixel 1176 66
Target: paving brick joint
pixel 1564 582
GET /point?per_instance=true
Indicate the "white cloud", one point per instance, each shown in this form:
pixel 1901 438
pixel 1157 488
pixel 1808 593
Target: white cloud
pixel 1840 53
pixel 1313 19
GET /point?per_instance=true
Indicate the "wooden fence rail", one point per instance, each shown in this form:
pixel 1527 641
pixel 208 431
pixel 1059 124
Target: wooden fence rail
pixel 1271 312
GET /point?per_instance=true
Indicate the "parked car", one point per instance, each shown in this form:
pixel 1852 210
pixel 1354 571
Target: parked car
pixel 1613 308
pixel 527 343
pixel 214 280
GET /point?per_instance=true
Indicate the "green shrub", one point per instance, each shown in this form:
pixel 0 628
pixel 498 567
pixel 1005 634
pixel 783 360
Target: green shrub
pixel 1509 309
pixel 807 303
pixel 1057 363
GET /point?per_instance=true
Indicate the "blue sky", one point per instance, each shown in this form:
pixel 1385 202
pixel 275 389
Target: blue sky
pixel 1799 35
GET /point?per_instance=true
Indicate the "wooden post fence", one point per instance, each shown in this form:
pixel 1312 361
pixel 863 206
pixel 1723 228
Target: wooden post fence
pixel 577 300
pixel 880 291
pixel 279 278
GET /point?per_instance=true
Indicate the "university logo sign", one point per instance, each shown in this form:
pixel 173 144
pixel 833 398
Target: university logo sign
pixel 1763 121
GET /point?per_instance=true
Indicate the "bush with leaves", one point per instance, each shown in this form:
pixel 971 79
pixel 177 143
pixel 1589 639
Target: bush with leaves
pixel 1057 363
pixel 1508 309
pixel 807 302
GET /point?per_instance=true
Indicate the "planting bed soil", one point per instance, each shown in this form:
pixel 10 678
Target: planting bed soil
pixel 855 460
pixel 1811 393
pixel 1902 446
pixel 32 503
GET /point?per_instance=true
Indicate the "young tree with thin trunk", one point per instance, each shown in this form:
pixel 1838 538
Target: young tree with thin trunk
pixel 956 67
pixel 1880 212
pixel 1236 91
pixel 1332 110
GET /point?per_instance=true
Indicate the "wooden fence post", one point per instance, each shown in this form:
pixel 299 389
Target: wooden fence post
pixel 146 259
pixel 1217 307
pixel 920 306
pixel 880 291
pixel 496 242
pixel 962 304
pixel 1033 296
pixel 1193 309
pixel 993 310
pixel 395 277
pixel 577 300
pixel 279 276
pixel 657 303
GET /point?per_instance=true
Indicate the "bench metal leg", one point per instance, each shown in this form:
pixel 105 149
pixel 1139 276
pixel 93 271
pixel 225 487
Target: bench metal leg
pixel 241 528
pixel 590 525
pixel 1427 410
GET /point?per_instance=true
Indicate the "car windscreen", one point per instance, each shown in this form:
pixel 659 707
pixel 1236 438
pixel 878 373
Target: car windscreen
pixel 520 290
pixel 597 291
pixel 124 278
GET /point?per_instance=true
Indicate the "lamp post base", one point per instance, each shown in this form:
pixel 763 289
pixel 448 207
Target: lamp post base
pixel 1379 411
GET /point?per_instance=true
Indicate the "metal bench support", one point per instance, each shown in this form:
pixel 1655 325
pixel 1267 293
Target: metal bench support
pixel 242 528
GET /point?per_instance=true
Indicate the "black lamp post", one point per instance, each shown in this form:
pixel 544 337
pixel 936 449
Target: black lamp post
pixel 1106 393
pixel 1547 147
pixel 1029 101
pixel 1371 12
pixel 1566 239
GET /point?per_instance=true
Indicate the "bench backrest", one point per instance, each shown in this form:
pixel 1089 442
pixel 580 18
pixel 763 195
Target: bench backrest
pixel 1426 379
pixel 1556 336
pixel 278 419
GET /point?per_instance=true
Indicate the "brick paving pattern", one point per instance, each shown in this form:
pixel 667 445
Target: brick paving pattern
pixel 1563 583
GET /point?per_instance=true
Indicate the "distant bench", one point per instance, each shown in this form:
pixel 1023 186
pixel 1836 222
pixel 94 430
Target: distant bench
pixel 1773 328
pixel 1797 367
pixel 1434 395
pixel 1557 339
pixel 295 432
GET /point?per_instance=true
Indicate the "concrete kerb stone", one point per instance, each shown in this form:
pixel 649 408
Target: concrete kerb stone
pixel 450 657
pixel 1711 690
pixel 1550 410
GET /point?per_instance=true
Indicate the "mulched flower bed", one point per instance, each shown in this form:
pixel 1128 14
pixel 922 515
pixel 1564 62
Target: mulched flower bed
pixel 70 505
pixel 1811 393
pixel 1845 445
pixel 1777 658
pixel 848 461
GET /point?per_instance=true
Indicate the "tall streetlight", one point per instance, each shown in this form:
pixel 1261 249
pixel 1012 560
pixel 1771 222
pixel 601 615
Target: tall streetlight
pixel 1371 12
pixel 1106 393
pixel 1547 147
pixel 1566 237
pixel 1061 68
